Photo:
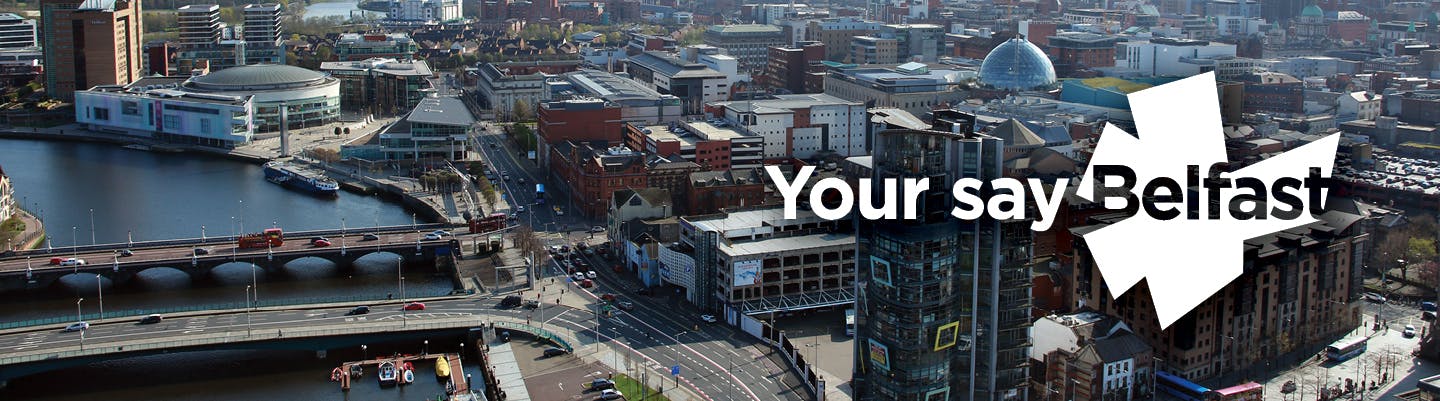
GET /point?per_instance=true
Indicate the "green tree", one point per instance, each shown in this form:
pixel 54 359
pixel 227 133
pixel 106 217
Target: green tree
pixel 520 111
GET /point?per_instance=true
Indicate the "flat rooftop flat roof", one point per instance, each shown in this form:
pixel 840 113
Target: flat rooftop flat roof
pixel 782 244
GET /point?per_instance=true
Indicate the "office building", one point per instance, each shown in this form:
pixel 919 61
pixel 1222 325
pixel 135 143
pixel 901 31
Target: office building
pixel 1074 52
pixel 748 43
pixel 800 126
pixel 694 83
pixel 16 32
pixel 380 86
pixel 502 84
pixel 797 69
pixel 707 145
pixel 89 43
pixel 356 47
pixel 264 34
pixel 425 10
pixel 199 25
pixel 913 87
pixel 835 33
pixel 1168 57
pixel 916 42
pixel 867 49
pixel 438 128
pixel 942 304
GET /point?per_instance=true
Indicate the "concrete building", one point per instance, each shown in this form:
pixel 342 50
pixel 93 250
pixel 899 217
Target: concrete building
pixel 694 83
pixel 1358 106
pixel 835 33
pixel 707 145
pixel 1090 356
pixel 1078 51
pixel 913 87
pixel 1274 93
pixel 797 69
pixel 199 25
pixel 748 43
pixel 380 86
pixel 169 115
pixel 355 46
pixel 1167 57
pixel 709 192
pixel 264 34
pixel 206 43
pixel 866 49
pixel 637 102
pixel 438 128
pixel 800 126
pixel 916 42
pixel 313 98
pixel 425 10
pixel 16 32
pixel 755 260
pixel 942 304
pixel 1299 290
pixel 90 43
pixel 502 84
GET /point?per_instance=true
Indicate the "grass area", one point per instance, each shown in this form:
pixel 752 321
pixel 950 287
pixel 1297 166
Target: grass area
pixel 11 229
pixel 632 389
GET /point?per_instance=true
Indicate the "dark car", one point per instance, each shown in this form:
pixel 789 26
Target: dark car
pixel 549 352
pixel 370 237
pixel 126 252
pixel 601 384
pixel 644 291
pixel 202 251
pixel 152 319
pixel 359 310
pixel 510 301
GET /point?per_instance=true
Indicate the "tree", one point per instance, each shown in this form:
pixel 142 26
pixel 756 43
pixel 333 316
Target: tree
pixel 324 155
pixel 520 111
pixel 337 131
pixel 487 191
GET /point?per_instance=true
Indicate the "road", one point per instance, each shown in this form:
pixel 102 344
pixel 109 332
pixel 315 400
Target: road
pixel 216 248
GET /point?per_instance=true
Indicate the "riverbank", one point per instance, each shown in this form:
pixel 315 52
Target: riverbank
pixel 75 133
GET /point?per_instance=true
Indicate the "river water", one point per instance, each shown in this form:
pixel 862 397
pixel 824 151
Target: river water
pixel 336 8
pixel 149 195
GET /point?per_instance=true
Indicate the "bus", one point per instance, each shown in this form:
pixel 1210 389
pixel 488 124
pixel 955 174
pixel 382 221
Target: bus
pixel 1179 388
pixel 540 194
pixel 1251 391
pixel 1345 349
pixel 850 322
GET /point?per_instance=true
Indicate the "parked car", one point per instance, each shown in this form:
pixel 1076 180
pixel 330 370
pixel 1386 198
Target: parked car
pixel 625 305
pixel 610 394
pixel 549 352
pixel 587 283
pixel 510 301
pixel 708 318
pixel 126 252
pixel 77 326
pixel 431 237
pixel 198 251
pixel 152 319
pixel 579 276
pixel 322 244
pixel 414 306
pixel 1409 331
pixel 370 237
pixel 1427 306
pixel 601 384
pixel 1427 316
pixel 359 310
pixel 590 274
pixel 597 229
pixel 1373 297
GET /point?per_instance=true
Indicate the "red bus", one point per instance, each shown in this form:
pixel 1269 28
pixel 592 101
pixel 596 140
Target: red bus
pixel 268 238
pixel 1251 391
pixel 494 221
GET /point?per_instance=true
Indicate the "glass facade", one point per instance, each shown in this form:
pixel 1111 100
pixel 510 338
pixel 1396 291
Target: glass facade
pixel 938 303
pixel 1017 65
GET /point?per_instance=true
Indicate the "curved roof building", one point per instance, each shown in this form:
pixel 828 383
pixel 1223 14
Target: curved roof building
pixel 1017 65
pixel 313 98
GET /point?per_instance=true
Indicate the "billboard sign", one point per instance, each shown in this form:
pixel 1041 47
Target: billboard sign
pixel 879 355
pixel 747 272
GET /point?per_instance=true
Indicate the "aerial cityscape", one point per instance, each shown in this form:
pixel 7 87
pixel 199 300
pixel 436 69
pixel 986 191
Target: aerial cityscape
pixel 513 200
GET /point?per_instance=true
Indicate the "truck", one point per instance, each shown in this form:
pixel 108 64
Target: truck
pixel 494 221
pixel 272 237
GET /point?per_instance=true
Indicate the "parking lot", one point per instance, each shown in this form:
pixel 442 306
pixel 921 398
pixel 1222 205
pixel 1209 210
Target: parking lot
pixel 555 378
pixel 820 336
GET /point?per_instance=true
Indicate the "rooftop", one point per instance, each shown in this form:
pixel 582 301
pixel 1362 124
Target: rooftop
pixel 388 66
pixel 689 133
pixel 785 103
pixel 442 111
pixel 173 94
pixel 751 219
pixel 671 66
pixel 257 77
pixel 782 244
pixel 745 28
pixel 611 87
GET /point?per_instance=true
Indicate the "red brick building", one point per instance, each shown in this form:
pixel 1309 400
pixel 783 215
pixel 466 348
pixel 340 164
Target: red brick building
pixel 796 69
pixel 581 120
pixel 710 147
pixel 1075 52
pixel 595 173
pixel 708 192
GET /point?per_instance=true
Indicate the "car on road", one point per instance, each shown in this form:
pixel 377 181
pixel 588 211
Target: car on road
pixel 564 249
pixel 370 237
pixel 1427 316
pixel 318 239
pixel 72 262
pixel 609 297
pixel 708 318
pixel 597 229
pixel 441 233
pixel 520 209
pixel 431 237
pixel 611 394
pixel 198 252
pixel 554 249
pixel 1427 306
pixel 625 305
pixel 644 291
pixel 321 244
pixel 522 181
pixel 581 246
pixel 549 352
pixel 601 384
pixel 152 319
pixel 1373 297
pixel 359 310
pixel 510 301
pixel 505 177
pixel 587 283
pixel 414 306
pixel 493 145
pixel 126 253
pixel 532 304
pixel 590 274
pixel 579 276
pixel 1409 331
pixel 77 326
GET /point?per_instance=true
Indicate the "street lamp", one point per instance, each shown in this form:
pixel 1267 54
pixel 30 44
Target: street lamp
pixel 92 226
pixel 364 352
pixel 247 310
pixel 427 347
pixel 74 243
pixel 77 310
pixel 100 290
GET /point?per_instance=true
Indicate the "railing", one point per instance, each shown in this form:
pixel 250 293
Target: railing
pixel 537 332
pixel 228 306
pixel 221 239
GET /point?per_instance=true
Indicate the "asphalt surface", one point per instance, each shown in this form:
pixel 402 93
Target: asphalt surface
pixel 216 248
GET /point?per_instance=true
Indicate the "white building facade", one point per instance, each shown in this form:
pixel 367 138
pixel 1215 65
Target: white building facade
pixel 168 115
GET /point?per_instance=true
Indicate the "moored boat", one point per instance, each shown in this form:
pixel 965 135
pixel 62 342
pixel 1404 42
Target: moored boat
pixel 387 373
pixel 442 367
pixel 408 377
pixel 308 181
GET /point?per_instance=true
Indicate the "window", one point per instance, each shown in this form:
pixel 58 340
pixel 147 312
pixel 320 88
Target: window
pixel 205 126
pixel 130 108
pixel 172 121
pixel 101 113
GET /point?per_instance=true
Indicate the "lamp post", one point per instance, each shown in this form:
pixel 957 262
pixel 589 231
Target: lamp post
pixel 78 318
pixel 100 291
pixel 247 310
pixel 364 352
pixel 427 347
pixel 202 233
pixel 242 215
pixel 74 243
pixel 92 226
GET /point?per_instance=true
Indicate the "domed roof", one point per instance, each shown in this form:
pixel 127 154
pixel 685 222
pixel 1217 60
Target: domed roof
pixel 257 77
pixel 1312 11
pixel 1017 65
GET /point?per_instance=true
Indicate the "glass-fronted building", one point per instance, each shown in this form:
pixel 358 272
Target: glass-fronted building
pixel 311 98
pixel 1017 65
pixel 942 303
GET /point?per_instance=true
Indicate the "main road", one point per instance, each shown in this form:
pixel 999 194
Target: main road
pixel 213 247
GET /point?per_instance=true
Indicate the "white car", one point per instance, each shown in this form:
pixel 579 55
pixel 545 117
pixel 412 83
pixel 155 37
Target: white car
pixel 77 326
pixel 431 237
pixel 590 274
pixel 611 394
pixel 520 209
pixel 1409 331
pixel 597 229
pixel 579 276
pixel 708 318
pixel 72 262
pixel 441 233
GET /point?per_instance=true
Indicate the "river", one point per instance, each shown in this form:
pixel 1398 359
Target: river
pixel 335 8
pixel 149 195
